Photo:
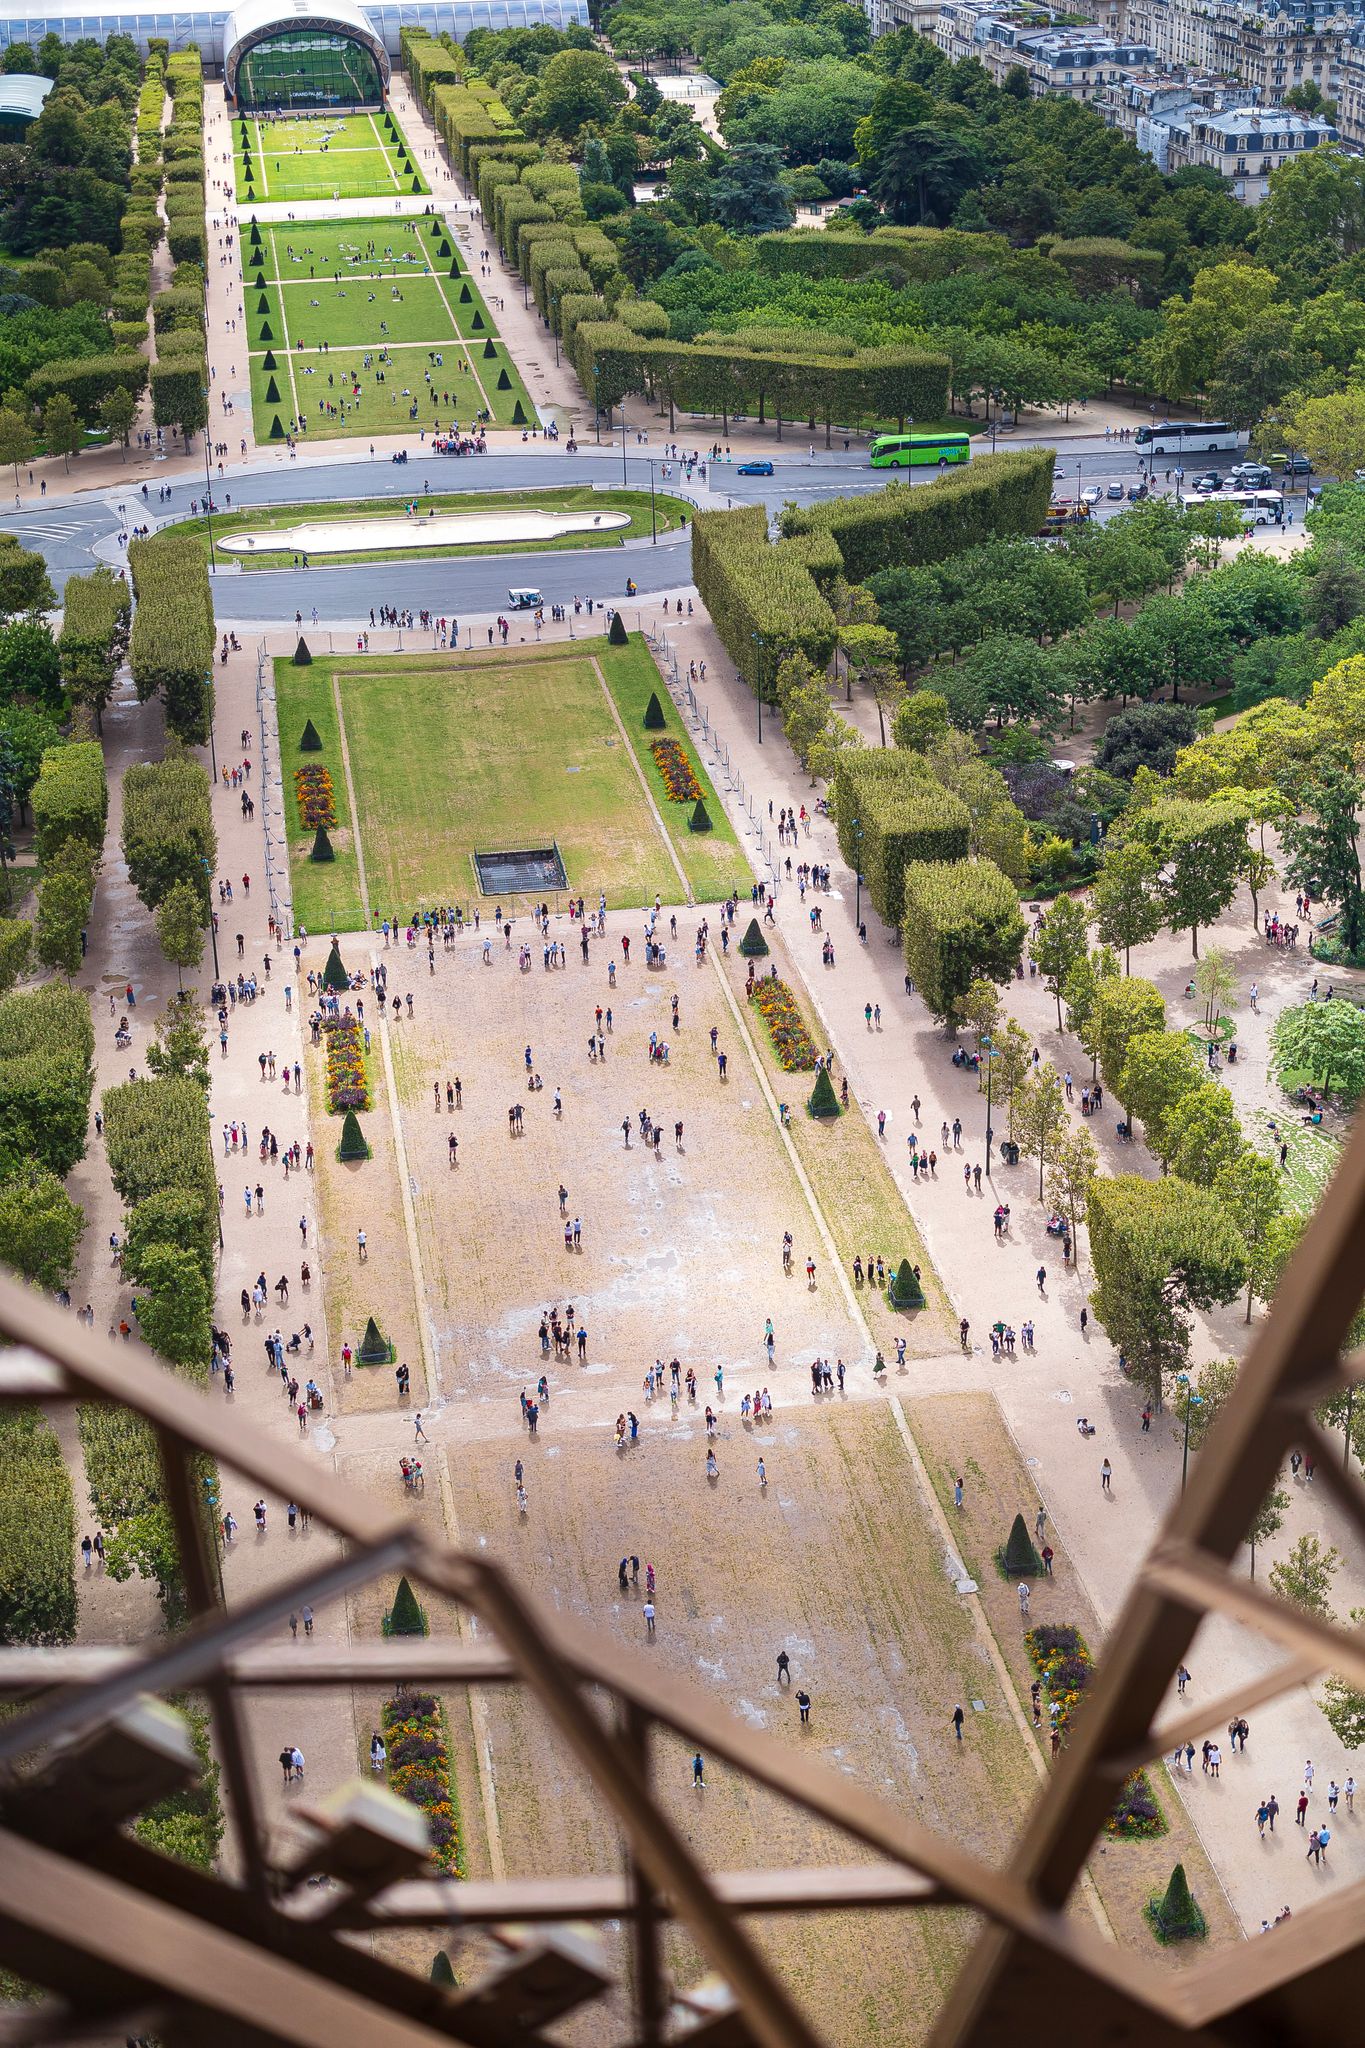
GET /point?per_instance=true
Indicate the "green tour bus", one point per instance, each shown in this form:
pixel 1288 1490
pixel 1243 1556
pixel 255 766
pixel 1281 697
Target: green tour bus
pixel 916 451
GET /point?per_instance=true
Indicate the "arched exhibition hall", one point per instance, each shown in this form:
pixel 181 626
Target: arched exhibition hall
pixel 260 40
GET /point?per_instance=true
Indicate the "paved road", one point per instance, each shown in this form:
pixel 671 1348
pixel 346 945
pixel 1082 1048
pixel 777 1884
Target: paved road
pixel 73 531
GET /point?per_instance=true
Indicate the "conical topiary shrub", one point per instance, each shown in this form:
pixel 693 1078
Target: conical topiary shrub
pixel 700 820
pixel 616 631
pixel 268 361
pixel 353 1145
pixel 905 1290
pixel 322 845
pixel 258 283
pixel 263 304
pixel 267 332
pixel 753 945
pixel 374 1345
pixel 823 1100
pixel 476 323
pixel 519 418
pixel 466 295
pixel 405 1616
pixel 272 393
pixel 1174 1915
pixel 1019 1559
pixel 334 975
pixel 490 350
pixel 310 740
pixel 444 249
pixel 303 658
pixel 442 1970
pixel 454 266
pixel 504 381
pixel 654 713
pixel 276 430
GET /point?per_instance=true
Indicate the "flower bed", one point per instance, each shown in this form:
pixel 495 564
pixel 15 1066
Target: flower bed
pixel 1062 1659
pixel 315 797
pixel 419 1770
pixel 793 1044
pixel 347 1084
pixel 672 763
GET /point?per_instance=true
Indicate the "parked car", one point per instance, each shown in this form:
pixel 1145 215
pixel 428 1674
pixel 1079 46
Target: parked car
pixel 754 469
pixel 1091 495
pixel 1209 481
pixel 1250 476
pixel 1115 491
pixel 1136 493
pixel 1297 465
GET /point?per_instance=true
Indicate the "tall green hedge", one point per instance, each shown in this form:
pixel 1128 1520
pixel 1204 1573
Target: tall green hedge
pixel 891 811
pixel 168 834
pixel 157 1137
pixel 990 498
pixel 96 612
pixel 171 647
pixel 37 1533
pixel 961 920
pixel 920 254
pixel 88 380
pixel 47 1050
pixel 70 798
pixel 763 601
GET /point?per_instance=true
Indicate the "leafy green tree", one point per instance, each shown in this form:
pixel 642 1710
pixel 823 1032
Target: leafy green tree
pixel 116 413
pixel 1209 1137
pixel 1330 430
pixel 1071 1176
pixel 30 675
pixel 1250 1187
pixel 1200 846
pixel 576 86
pixel 1343 1704
pixel 1039 1116
pixel 24 582
pixel 1160 1250
pixel 1123 1009
pixel 1147 736
pixel 1059 942
pixel 924 171
pixel 17 441
pixel 1011 1065
pixel 1323 848
pixel 1304 1578
pixel 1160 1072
pixel 180 1045
pixel 16 948
pixel 1080 993
pixel 1324 1040
pixel 981 1008
pixel 921 720
pixel 175 1318
pixel 62 428
pixel 1126 898
pixel 40 1226
pixel 1203 1400
pixel 144 1546
pixel 1215 984
pixel 747 193
pixel 180 928
pixel 63 907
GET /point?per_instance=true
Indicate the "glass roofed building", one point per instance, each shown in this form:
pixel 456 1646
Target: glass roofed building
pixel 328 42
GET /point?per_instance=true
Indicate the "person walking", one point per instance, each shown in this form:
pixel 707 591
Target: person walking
pixel 1301 1809
pixel 1106 1474
pixel 958 1718
pixel 803 1701
pixel 419 1434
pixel 1023 1602
pixel 649 1617
pixel 783 1667
pixel 762 1475
pixel 1272 1807
pixel 699 1771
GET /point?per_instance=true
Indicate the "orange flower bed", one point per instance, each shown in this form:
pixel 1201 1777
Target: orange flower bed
pixel 315 797
pixel 347 1084
pixel 792 1042
pixel 419 1758
pixel 672 763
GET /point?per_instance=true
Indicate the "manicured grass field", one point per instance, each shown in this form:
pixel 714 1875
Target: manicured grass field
pixel 323 156
pixel 370 326
pixel 504 748
pixel 266 519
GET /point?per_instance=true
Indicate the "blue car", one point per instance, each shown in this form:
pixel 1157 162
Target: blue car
pixel 754 469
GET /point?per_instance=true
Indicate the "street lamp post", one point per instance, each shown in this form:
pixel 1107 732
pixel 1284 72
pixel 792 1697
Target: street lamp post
pixel 1182 1379
pixel 623 444
pixel 653 522
pixel 856 828
pixel 208 487
pixel 213 930
pixel 988 1048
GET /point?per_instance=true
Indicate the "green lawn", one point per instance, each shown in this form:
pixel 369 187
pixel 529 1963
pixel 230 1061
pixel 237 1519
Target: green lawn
pixel 1313 1156
pixel 323 156
pixel 369 326
pixel 451 754
pixel 265 520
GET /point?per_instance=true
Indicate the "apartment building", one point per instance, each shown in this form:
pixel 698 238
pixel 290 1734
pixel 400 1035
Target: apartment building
pixel 1072 62
pixel 1270 48
pixel 1179 119
pixel 886 16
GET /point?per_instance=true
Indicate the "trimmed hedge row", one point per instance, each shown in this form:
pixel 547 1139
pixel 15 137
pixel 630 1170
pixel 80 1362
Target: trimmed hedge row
pixel 763 600
pixel 88 379
pixel 37 1533
pixel 96 612
pixel 47 1050
pixel 168 834
pixel 961 921
pixel 70 798
pixel 991 498
pixel 921 255
pixel 171 645
pixel 892 811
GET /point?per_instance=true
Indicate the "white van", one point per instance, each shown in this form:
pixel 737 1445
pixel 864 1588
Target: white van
pixel 525 600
